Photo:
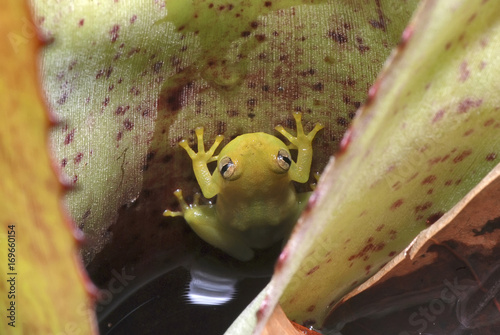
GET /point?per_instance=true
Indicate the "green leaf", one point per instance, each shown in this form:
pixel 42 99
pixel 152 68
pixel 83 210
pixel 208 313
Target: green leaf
pixel 102 75
pixel 44 289
pixel 130 79
pixel 426 136
pixel 453 265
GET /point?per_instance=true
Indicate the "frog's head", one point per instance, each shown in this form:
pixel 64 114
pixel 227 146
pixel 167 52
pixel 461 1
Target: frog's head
pixel 255 158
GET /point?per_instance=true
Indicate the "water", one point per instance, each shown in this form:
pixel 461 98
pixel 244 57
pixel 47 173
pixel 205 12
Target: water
pixel 201 292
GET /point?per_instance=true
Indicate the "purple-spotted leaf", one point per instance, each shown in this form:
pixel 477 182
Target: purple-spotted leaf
pixel 130 79
pixel 446 280
pixel 428 133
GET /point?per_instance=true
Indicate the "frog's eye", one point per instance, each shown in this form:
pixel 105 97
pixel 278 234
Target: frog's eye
pixel 226 167
pixel 284 159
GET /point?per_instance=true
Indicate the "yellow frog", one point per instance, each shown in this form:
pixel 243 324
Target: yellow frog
pixel 257 204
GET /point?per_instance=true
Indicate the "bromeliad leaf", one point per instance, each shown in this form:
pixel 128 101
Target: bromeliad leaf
pixel 426 136
pixel 452 266
pixel 130 79
pixel 44 289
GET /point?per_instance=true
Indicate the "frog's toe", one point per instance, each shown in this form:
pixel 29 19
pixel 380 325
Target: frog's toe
pixel 170 213
pixel 316 176
pixel 184 206
pixel 196 200
pixel 180 198
pixel 317 127
pixel 298 117
pixel 185 145
pixel 286 134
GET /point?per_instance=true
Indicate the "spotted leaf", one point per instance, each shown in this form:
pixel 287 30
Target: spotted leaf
pixel 427 134
pixel 129 80
pixel 43 288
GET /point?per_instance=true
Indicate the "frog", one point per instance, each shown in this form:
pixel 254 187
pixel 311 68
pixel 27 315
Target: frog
pixel 256 204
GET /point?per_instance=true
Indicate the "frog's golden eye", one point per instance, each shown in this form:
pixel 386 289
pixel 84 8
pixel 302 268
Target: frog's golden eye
pixel 284 159
pixel 226 167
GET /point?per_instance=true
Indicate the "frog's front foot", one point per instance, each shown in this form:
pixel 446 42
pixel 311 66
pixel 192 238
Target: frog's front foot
pixel 202 156
pixel 200 160
pixel 302 140
pixel 184 206
pixel 299 171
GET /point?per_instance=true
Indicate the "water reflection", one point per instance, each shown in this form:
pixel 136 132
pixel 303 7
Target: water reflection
pixel 209 286
pixel 197 291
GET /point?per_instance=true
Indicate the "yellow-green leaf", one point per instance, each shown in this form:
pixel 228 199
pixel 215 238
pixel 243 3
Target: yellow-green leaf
pixel 426 136
pixel 129 79
pixel 452 266
pixel 43 287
